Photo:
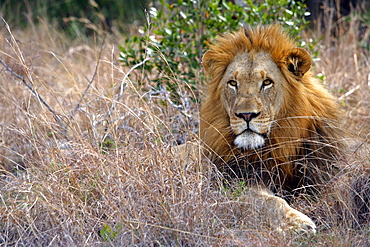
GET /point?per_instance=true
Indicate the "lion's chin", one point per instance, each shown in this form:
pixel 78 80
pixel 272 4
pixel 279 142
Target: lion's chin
pixel 249 140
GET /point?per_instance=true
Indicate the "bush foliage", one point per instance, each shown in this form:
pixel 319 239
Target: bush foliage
pixel 178 33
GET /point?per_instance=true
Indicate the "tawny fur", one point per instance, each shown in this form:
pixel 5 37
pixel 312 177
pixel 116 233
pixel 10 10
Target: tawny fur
pixel 301 148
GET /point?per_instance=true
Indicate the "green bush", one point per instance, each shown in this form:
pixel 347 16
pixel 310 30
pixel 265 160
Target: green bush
pixel 178 33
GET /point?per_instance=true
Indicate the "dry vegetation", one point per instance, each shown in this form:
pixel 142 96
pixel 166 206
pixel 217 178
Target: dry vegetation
pixel 99 168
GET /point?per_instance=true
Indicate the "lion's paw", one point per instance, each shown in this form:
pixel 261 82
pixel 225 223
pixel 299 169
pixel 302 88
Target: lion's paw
pixel 299 222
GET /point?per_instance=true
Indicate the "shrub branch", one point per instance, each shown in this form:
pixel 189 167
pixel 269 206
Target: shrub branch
pixel 37 95
pixel 88 85
pixel 123 85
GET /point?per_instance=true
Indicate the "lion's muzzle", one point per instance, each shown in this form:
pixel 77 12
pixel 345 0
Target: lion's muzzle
pixel 249 138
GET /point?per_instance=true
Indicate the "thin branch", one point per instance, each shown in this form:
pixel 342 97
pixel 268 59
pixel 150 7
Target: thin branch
pixel 122 86
pixel 367 138
pixel 121 90
pixel 38 96
pixel 28 85
pixel 349 92
pixel 166 96
pixel 88 86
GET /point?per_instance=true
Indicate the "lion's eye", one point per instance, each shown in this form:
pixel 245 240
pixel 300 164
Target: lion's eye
pixel 232 83
pixel 267 83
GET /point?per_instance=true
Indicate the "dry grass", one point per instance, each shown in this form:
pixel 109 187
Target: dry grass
pixel 97 171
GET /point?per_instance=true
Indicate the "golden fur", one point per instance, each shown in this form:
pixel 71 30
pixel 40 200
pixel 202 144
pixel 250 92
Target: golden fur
pixel 302 143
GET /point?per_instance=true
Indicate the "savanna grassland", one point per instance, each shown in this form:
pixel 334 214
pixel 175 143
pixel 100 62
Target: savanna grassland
pixel 87 157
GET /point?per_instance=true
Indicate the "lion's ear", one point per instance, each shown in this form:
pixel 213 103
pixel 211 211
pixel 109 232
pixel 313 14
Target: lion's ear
pixel 298 61
pixel 206 61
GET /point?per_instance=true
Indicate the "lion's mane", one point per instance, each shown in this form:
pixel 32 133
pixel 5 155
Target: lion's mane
pixel 302 148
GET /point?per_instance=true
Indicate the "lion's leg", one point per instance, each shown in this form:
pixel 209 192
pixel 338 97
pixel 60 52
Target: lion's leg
pixel 272 208
pixel 280 214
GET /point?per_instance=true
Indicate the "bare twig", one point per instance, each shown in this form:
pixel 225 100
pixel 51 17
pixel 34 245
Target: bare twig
pixel 29 85
pixel 183 108
pixel 121 90
pixel 38 96
pixel 349 92
pixel 366 140
pixel 88 86
pixel 122 87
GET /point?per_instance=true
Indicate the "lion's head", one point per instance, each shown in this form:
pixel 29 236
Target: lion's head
pixel 263 105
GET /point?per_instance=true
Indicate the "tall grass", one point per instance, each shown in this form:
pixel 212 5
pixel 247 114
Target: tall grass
pixel 95 165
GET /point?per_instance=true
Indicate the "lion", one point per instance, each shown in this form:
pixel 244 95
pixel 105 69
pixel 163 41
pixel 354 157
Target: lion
pixel 267 120
pixel 266 112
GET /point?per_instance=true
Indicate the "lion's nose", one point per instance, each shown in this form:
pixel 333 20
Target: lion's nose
pixel 248 116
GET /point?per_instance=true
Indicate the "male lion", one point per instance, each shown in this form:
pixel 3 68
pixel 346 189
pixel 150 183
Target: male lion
pixel 266 119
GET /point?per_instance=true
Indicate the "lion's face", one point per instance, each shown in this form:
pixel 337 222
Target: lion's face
pixel 252 94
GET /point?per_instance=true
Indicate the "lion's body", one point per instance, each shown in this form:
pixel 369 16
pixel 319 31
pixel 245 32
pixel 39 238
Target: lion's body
pixel 265 117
